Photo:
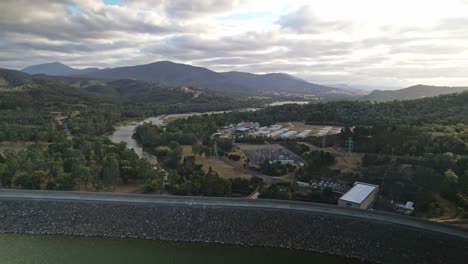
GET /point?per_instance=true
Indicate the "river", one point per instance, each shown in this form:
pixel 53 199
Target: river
pixel 52 249
pixel 124 133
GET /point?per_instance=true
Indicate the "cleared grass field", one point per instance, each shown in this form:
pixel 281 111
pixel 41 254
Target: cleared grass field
pixel 348 164
pixel 223 169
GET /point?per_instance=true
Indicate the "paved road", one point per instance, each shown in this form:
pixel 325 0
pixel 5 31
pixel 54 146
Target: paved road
pixel 233 202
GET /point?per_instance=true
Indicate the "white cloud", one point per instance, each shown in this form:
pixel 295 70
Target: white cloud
pixel 396 43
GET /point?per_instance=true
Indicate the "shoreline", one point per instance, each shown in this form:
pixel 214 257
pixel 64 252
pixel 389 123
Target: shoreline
pixel 339 235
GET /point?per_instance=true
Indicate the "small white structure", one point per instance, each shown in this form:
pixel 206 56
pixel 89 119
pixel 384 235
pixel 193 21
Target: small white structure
pixel 288 134
pixel 406 209
pixel 304 134
pixel 302 184
pixel 409 206
pixel 362 195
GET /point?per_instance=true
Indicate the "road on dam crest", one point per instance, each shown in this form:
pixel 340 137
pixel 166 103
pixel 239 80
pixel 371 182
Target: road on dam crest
pixel 234 202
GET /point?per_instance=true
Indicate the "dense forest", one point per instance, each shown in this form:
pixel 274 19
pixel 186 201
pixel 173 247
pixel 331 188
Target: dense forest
pixel 67 119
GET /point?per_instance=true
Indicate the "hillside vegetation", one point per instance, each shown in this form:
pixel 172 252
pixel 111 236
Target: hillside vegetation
pixel 413 92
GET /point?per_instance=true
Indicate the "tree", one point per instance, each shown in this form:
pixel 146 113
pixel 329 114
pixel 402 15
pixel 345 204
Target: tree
pixel 5 177
pixel 451 177
pixel 143 169
pixel 110 170
pixel 154 181
pixel 173 156
pixel 83 173
pixel 30 181
pixel 215 185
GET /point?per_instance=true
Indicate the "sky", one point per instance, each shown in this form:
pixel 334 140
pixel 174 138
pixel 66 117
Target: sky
pixel 394 43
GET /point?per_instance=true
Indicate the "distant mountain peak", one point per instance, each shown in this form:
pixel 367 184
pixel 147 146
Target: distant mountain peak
pixel 55 69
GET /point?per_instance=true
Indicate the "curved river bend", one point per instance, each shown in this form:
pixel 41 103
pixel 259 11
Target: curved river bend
pixel 124 133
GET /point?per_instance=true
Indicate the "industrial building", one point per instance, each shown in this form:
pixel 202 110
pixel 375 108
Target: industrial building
pixel 288 134
pixel 304 134
pixel 362 195
pixel 272 152
pixel 324 131
pixel 249 128
pixel 241 130
pixel 277 133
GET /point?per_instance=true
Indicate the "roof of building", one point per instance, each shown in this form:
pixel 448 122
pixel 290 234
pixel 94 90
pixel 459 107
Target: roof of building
pixel 409 205
pixel 359 192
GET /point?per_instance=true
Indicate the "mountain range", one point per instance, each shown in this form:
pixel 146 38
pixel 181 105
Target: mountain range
pixel 172 74
pixel 175 74
pixel 413 92
pixel 56 69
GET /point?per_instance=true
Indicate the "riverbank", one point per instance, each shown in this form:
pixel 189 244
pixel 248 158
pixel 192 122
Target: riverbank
pixel 340 235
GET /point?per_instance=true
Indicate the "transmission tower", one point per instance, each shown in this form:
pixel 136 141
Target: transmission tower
pixel 349 145
pixel 215 146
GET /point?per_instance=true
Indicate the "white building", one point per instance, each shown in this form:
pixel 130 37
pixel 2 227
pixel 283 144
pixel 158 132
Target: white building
pixel 276 133
pixel 304 134
pixel 362 195
pixel 288 134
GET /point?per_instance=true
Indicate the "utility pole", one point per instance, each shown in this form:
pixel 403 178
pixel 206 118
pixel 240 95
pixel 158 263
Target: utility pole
pixel 349 145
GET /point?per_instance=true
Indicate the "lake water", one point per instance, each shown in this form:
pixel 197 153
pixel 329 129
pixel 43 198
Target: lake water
pixel 289 102
pixel 42 249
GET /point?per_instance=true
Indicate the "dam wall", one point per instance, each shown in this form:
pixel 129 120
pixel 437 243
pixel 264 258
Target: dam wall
pixel 366 235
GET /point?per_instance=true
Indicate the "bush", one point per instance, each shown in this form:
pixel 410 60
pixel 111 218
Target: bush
pixel 234 157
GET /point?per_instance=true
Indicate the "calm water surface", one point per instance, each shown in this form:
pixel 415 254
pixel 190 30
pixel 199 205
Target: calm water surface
pixel 39 249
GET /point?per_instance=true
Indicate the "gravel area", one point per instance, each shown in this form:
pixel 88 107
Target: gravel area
pixel 338 235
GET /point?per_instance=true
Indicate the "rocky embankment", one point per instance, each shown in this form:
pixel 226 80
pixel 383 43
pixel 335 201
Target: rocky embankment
pixel 338 235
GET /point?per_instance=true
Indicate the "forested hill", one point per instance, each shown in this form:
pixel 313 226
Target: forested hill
pixel 413 92
pixel 19 89
pixel 444 109
pixel 12 78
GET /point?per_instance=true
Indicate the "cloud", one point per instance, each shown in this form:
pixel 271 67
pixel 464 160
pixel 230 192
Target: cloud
pixel 360 42
pixel 305 20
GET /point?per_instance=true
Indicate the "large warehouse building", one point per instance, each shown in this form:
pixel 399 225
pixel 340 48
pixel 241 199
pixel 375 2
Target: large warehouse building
pixel 362 195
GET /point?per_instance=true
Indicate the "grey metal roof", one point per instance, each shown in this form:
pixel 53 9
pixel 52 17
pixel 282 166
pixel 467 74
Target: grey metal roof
pixel 358 193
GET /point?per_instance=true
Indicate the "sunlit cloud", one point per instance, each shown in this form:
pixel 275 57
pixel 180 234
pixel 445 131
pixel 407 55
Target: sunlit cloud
pixel 389 43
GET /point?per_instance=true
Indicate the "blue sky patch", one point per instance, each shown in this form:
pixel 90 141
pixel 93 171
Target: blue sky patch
pixel 114 2
pixel 74 9
pixel 247 16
